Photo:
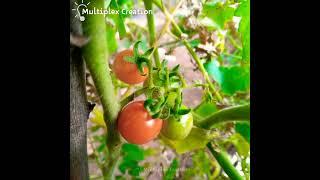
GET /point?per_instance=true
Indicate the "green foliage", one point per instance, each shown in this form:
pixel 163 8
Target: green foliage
pixel 171 171
pixel 203 167
pixel 132 155
pixel 218 12
pixel 243 128
pixel 111 36
pixel 194 42
pixel 231 79
pixel 243 11
pixel 96 116
pixel 206 109
pixel 242 146
pixel 197 139
pixel 118 18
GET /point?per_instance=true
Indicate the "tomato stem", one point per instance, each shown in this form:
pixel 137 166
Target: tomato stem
pixel 225 163
pixel 96 55
pixel 132 96
pixel 236 113
pixel 152 33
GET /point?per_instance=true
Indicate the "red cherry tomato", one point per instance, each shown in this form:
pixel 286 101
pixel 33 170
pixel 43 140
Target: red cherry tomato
pixel 128 72
pixel 136 125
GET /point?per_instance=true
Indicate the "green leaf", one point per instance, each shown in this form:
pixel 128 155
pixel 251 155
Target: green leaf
pixel 135 171
pixel 242 146
pixel 148 52
pixel 127 164
pixel 102 147
pixel 171 172
pixel 96 116
pixel 243 11
pixel 107 3
pixel 112 44
pixel 231 79
pixel 118 18
pixel 175 69
pixel 183 111
pixel 132 152
pixel 218 12
pixel 243 128
pixel 235 79
pixel 212 68
pixel 206 109
pixel 95 128
pixel 122 2
pixel 197 139
pixel 194 42
pixel 136 48
pixel 120 178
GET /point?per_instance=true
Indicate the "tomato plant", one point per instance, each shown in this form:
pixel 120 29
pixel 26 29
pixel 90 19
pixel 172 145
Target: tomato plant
pixel 185 94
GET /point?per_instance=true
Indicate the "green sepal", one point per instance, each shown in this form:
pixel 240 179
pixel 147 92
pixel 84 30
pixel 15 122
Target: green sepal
pixel 136 49
pixel 176 68
pixel 130 59
pixel 183 111
pixel 148 52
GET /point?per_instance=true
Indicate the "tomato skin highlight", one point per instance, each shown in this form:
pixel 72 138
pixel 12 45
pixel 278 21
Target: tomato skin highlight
pixel 177 130
pixel 127 72
pixel 136 125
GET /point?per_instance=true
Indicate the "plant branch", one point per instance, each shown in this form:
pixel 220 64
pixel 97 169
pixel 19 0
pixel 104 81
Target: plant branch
pixel 202 70
pixel 191 51
pixel 152 33
pixel 236 113
pixel 96 55
pixel 169 19
pixel 132 96
pixel 225 163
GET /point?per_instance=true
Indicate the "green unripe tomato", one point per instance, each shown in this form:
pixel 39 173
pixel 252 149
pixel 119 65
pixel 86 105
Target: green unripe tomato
pixel 177 129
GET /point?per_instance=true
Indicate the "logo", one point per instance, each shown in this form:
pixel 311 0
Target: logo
pixel 79 8
pixel 82 9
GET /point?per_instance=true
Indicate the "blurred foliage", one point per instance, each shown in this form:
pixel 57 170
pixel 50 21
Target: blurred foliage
pixel 203 167
pixel 231 79
pixel 131 156
pixel 243 128
pixel 171 171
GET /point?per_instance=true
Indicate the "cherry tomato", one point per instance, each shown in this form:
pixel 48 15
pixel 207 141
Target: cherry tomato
pixel 136 125
pixel 128 72
pixel 177 129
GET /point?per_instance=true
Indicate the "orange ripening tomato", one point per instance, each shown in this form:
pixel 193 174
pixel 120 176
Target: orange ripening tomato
pixel 128 72
pixel 136 125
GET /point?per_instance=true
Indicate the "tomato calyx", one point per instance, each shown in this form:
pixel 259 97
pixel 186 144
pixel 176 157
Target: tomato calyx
pixel 164 97
pixel 138 59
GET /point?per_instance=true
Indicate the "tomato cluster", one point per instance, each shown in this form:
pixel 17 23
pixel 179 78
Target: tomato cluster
pixel 139 122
